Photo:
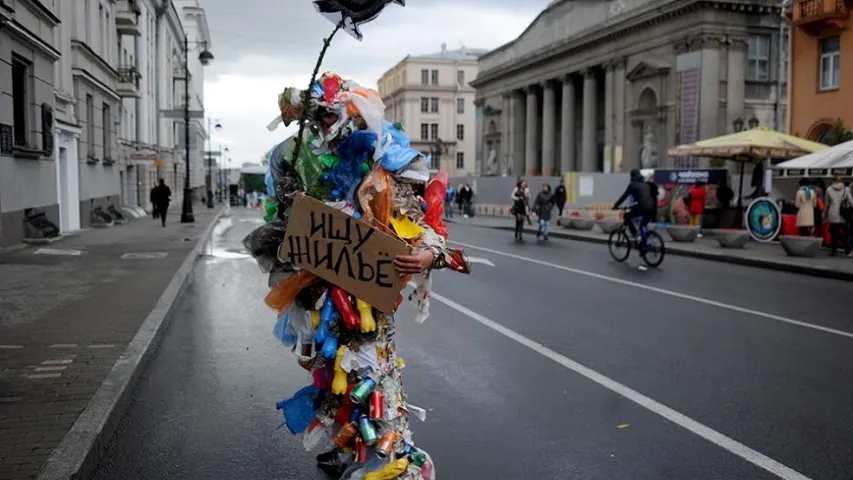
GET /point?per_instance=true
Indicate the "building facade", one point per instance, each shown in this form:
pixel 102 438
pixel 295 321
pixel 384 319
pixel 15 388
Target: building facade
pixel 821 67
pixel 590 85
pixel 430 95
pixel 28 162
pixel 194 22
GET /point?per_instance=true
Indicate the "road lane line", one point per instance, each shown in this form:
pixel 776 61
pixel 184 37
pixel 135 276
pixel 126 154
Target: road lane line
pixel 733 446
pixel 662 291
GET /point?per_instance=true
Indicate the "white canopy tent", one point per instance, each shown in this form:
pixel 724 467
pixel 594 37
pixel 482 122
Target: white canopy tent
pixel 837 160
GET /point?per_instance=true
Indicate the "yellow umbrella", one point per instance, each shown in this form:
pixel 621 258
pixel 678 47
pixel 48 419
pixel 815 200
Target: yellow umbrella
pixel 754 145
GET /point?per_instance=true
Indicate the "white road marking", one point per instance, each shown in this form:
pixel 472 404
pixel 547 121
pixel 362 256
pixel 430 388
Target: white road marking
pixel 144 256
pixel 58 251
pixel 38 376
pixel 482 261
pixel 102 345
pixel 53 368
pixel 57 362
pixel 733 446
pixel 63 345
pixel 663 291
pixel 11 347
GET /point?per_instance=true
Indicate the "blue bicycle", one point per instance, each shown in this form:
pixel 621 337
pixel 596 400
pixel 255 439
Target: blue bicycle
pixel 650 245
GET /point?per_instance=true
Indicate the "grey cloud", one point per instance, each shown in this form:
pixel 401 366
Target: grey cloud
pixel 291 32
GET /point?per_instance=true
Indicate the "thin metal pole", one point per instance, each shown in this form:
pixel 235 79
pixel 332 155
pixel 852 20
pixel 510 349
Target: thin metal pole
pixel 187 213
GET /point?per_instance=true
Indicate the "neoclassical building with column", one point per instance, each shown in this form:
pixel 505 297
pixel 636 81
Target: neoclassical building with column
pixel 591 84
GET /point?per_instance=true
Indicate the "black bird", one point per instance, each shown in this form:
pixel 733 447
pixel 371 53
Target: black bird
pixel 353 12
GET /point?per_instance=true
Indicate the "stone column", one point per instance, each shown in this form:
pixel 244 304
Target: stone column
pixel 549 126
pixel 609 135
pixel 506 136
pixel 517 102
pixel 479 154
pixel 530 150
pixel 590 122
pixel 619 115
pixel 567 127
pixel 735 87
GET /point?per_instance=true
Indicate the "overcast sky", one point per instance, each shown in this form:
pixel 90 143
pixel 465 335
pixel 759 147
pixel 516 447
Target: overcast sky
pixel 262 46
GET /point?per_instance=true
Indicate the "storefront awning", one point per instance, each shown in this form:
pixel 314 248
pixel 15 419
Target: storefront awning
pixel 837 160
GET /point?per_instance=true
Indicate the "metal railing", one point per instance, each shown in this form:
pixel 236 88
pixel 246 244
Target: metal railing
pixel 810 9
pixel 129 75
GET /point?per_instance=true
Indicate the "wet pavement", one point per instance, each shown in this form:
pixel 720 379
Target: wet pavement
pixel 718 344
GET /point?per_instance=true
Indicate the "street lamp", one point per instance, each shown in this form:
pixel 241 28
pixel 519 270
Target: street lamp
pixel 737 124
pixel 753 122
pixel 218 127
pixel 205 57
pixel 222 172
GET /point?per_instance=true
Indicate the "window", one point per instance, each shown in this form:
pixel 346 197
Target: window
pixel 433 105
pixel 105 113
pixel 90 126
pixel 830 63
pixel 424 77
pixel 460 105
pixel 424 131
pixel 424 104
pixel 758 58
pixel 434 77
pixel 20 100
pixel 433 131
pixel 460 159
pixel 460 132
pixel 460 77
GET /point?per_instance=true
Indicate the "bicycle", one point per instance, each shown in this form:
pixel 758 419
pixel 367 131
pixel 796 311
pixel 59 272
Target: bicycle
pixel 650 245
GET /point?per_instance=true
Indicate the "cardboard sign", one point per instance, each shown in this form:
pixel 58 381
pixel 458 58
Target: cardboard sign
pixel 343 251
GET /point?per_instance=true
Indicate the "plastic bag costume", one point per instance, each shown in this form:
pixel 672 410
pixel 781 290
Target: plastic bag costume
pixel 355 409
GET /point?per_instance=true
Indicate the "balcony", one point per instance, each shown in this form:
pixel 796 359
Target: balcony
pixel 128 82
pixel 816 16
pixel 127 18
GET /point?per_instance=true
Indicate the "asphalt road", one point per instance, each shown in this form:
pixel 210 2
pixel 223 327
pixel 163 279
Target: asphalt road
pixel 549 362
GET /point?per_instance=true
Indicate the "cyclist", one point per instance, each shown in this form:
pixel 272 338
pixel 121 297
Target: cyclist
pixel 644 204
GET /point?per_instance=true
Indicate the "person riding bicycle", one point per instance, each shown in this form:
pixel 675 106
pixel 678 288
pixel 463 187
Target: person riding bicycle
pixel 644 206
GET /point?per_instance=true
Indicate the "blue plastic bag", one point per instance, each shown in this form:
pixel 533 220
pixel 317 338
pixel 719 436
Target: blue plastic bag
pixel 299 410
pixel 282 330
pixel 354 155
pixel 395 150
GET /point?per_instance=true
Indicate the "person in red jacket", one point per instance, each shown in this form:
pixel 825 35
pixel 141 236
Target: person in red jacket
pixel 696 203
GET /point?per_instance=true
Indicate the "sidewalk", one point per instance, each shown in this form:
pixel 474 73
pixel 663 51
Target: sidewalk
pixel 770 256
pixel 68 311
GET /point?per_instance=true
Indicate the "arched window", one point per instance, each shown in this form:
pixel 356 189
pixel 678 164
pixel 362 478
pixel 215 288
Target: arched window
pixel 648 101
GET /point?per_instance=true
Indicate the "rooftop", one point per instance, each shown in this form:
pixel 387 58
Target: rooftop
pixel 462 53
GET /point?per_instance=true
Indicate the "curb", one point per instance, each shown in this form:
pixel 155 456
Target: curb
pixel 723 258
pixel 77 454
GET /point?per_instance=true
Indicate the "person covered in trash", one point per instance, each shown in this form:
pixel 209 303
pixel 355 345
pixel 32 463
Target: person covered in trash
pixel 355 410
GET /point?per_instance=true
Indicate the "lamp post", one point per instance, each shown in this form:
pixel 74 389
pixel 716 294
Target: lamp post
pixel 753 122
pixel 205 57
pixel 737 125
pixel 218 127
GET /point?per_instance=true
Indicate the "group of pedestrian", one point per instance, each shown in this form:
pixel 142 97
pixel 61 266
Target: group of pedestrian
pixel 160 197
pixel 462 199
pixel 543 206
pixel 816 204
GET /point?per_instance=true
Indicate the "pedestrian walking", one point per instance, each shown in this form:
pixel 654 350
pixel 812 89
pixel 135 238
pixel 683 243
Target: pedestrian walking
pixel 696 203
pixel 805 202
pixel 449 198
pixel 459 198
pixel 560 198
pixel 543 205
pixel 654 191
pixel 837 195
pixel 520 200
pixel 819 188
pixel 160 198
pixel 151 197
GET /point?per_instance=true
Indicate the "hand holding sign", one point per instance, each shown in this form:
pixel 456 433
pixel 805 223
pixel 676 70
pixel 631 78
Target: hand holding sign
pixel 413 264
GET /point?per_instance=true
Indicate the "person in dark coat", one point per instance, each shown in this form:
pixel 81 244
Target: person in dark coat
pixel 160 197
pixel 560 198
pixel 543 205
pixel 644 207
pixel 151 197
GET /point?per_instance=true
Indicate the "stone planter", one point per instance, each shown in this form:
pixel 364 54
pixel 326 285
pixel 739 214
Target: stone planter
pixel 582 223
pixel 608 226
pixel 797 246
pixel 683 233
pixel 731 238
